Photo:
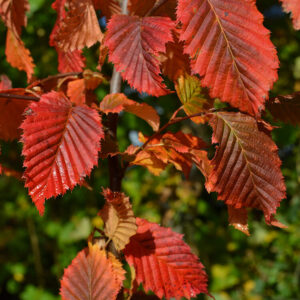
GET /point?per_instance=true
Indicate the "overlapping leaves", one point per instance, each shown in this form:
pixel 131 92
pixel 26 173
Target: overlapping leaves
pixel 115 103
pixel 118 217
pixel 231 49
pixel 179 149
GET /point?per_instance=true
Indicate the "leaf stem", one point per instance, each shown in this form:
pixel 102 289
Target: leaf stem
pixel 157 5
pixel 19 97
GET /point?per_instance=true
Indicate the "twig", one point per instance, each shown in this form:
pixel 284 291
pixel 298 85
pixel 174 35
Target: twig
pixel 157 5
pixel 174 120
pixel 19 97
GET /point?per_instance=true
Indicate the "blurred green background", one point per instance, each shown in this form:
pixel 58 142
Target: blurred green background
pixel 35 250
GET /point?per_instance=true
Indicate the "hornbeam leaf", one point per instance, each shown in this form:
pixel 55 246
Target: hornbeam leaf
pixel 286 108
pixel 13 14
pixel 178 148
pixel 246 168
pixel 17 55
pixel 230 49
pixel 118 216
pixel 115 103
pixel 80 27
pixel 164 263
pixel 293 7
pixel 70 61
pixel 133 44
pixel 192 97
pixel 175 63
pixel 61 144
pixel 92 276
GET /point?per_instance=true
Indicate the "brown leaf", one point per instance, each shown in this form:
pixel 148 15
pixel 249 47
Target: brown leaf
pixel 238 218
pixel 118 217
pixel 11 114
pixel 80 28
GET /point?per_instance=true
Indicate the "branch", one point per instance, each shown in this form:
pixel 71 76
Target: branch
pixel 174 120
pixel 157 5
pixel 19 97
pixel 116 172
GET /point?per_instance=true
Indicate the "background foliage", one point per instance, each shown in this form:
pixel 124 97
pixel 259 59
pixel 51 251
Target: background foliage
pixel 34 250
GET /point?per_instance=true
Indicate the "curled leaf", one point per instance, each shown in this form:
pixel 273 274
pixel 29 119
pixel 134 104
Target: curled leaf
pixel 118 217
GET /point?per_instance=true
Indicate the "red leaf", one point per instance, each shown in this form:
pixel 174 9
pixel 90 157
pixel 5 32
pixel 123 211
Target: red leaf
pixel 246 168
pixel 107 7
pixel 17 55
pixel 92 276
pixel 293 7
pixel 133 44
pixel 61 144
pixel 5 83
pixel 13 14
pixel 231 49
pixel 69 61
pixel 115 103
pixel 11 114
pixel 164 263
pixel 80 27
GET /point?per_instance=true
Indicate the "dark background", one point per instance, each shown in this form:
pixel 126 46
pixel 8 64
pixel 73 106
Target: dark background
pixel 34 250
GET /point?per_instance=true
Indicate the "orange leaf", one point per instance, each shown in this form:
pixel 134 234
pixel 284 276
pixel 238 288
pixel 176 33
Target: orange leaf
pixel 17 55
pixel 133 44
pixel 246 168
pixel 13 14
pixel 118 217
pixel 115 103
pixel 80 27
pixel 61 144
pixel 92 276
pixel 231 49
pixel 178 149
